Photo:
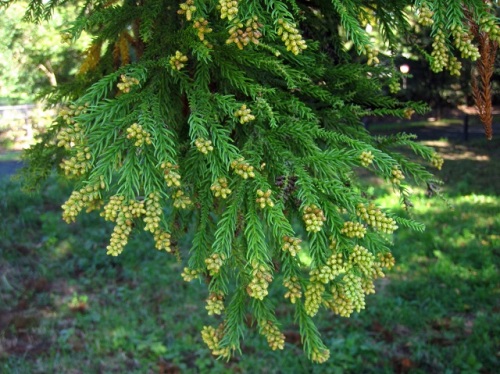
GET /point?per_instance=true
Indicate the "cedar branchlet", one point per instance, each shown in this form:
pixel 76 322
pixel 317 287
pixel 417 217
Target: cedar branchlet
pixel 248 146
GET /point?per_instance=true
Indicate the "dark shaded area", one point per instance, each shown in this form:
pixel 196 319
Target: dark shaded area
pixel 456 125
pixel 453 131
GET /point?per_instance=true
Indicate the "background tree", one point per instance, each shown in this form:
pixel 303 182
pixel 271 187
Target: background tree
pixel 439 89
pixel 238 124
pixel 34 57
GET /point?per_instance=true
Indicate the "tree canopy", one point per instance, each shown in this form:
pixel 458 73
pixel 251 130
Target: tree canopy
pixel 238 125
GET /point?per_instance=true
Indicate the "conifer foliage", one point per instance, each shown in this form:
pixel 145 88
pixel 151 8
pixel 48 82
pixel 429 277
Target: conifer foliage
pixel 238 124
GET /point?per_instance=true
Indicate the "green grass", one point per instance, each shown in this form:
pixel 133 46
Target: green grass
pixel 66 307
pixel 10 155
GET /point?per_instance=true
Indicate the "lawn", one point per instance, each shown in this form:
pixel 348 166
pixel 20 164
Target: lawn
pixel 66 307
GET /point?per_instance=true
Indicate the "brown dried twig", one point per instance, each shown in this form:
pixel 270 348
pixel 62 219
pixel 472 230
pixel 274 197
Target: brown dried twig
pixel 481 81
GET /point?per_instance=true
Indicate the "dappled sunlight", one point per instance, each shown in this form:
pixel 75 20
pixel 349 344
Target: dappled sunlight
pixel 304 256
pixel 452 267
pixel 450 206
pixel 466 155
pixel 478 199
pixel 439 265
pixel 456 151
pixel 442 143
pixel 447 267
pixel 423 205
pixel 443 122
pixel 62 249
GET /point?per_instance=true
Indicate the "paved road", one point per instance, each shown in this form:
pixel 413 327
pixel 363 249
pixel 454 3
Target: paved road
pixel 7 168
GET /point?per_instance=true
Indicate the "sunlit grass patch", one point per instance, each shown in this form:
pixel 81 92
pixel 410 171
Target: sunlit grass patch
pixel 8 155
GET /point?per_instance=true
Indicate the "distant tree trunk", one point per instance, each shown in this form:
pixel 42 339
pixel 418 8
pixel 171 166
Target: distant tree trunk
pixel 49 73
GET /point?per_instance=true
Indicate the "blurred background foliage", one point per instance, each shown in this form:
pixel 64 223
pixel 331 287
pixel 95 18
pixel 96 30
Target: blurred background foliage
pixel 34 57
pixel 439 90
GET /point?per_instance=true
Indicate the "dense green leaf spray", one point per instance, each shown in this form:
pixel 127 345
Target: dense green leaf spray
pixel 239 124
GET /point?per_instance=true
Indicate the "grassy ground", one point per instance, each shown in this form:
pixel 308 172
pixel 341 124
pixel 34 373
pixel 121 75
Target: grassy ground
pixel 9 155
pixel 65 307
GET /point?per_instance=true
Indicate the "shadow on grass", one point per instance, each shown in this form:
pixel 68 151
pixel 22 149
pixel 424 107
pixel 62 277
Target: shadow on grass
pixel 444 290
pixel 469 168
